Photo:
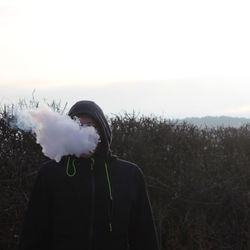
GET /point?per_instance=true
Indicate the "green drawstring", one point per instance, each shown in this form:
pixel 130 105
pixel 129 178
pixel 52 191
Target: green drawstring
pixel 108 179
pixel 73 167
pixel 110 194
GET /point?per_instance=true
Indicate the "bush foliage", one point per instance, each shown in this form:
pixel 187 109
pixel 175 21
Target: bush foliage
pixel 198 179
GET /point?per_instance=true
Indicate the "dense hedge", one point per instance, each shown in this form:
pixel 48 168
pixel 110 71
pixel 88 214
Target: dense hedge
pixel 198 179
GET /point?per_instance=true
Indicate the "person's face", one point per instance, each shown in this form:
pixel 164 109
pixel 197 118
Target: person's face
pixel 88 121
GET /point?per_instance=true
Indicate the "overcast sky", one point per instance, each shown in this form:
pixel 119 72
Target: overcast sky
pixel 172 58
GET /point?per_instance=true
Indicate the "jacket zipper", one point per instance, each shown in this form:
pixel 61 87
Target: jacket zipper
pixel 92 211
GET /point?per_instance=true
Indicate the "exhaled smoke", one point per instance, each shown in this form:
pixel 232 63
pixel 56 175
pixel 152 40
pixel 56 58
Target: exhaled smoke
pixel 58 134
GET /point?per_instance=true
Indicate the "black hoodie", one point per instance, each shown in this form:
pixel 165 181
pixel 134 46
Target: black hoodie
pixel 92 203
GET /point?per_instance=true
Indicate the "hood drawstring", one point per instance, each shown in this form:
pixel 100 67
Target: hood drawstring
pixel 71 171
pixel 72 166
pixel 110 197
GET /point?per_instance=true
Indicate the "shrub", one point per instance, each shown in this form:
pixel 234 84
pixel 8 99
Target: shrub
pixel 198 179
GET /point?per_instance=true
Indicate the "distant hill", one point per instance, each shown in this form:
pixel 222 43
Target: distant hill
pixel 217 121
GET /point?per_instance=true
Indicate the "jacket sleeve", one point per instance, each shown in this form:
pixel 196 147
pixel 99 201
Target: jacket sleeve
pixel 35 231
pixel 142 230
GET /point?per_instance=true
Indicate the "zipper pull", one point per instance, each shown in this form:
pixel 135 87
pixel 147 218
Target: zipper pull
pixel 92 164
pixel 110 227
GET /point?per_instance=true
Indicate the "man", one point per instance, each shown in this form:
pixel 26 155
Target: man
pixel 93 202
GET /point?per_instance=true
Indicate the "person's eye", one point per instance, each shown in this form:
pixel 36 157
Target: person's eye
pixel 88 125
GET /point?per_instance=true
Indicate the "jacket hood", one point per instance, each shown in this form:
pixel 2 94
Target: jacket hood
pixel 91 109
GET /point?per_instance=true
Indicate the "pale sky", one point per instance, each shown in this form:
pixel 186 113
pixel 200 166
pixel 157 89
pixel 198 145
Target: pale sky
pixel 172 58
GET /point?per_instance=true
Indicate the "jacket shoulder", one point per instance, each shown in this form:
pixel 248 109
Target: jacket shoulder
pixel 47 168
pixel 127 166
pixel 123 163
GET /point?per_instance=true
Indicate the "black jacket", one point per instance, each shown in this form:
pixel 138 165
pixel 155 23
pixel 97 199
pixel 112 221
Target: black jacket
pixel 89 204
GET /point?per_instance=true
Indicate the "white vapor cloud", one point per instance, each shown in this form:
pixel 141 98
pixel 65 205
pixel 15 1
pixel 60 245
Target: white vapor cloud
pixel 57 134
